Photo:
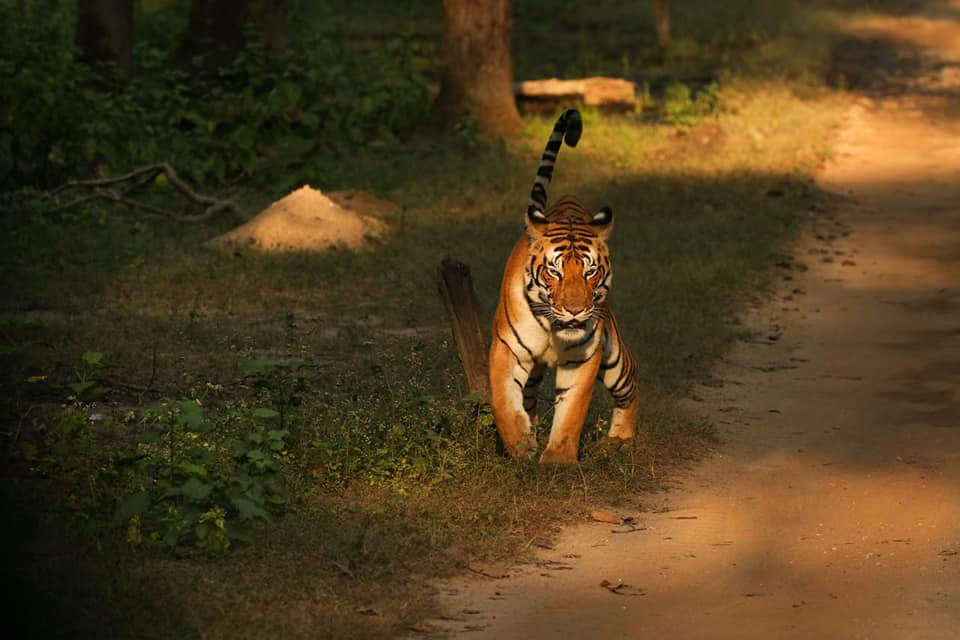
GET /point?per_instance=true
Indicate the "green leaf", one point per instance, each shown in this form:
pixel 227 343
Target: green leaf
pixel 132 505
pixel 193 469
pixel 172 535
pixel 258 366
pixel 191 416
pixel 149 437
pixel 295 146
pixel 237 531
pixel 196 490
pixel 310 120
pixel 244 137
pixel 266 414
pixel 92 358
pixel 249 509
pixel 80 388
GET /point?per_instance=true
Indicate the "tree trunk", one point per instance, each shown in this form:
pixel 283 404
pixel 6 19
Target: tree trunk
pixel 216 28
pixel 662 11
pixel 271 19
pixel 105 32
pixel 478 68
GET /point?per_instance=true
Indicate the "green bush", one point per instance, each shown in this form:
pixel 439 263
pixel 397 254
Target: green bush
pixel 201 483
pixel 262 115
pixel 683 107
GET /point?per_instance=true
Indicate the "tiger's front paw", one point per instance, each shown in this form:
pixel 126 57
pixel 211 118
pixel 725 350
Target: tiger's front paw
pixel 559 453
pixel 618 438
pixel 622 432
pixel 523 449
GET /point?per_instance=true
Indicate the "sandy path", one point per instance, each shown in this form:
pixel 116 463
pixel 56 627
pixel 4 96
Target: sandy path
pixel 833 511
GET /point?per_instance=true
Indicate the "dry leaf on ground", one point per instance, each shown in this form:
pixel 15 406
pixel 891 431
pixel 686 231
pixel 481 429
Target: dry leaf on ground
pixel 606 516
pixel 622 589
pixel 490 569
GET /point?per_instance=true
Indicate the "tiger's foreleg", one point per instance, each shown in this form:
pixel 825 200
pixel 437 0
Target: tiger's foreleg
pixel 530 391
pixel 574 389
pixel 508 380
pixel 618 372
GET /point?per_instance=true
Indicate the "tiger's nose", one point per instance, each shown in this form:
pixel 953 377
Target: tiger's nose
pixel 574 309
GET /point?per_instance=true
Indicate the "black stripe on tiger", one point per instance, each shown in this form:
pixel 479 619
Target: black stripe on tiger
pixel 516 335
pixel 513 353
pixel 530 392
pixel 567 129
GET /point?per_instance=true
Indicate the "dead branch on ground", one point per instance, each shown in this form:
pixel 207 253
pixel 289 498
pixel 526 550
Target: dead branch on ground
pixel 121 188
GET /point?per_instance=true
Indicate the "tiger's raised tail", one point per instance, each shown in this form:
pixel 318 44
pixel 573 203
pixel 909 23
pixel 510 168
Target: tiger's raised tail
pixel 568 129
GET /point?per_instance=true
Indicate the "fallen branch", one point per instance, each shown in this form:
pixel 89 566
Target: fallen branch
pixel 102 189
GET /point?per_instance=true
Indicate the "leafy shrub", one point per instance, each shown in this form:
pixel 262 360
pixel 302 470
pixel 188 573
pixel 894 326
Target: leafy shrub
pixel 260 116
pixel 177 475
pixel 683 107
pixel 203 484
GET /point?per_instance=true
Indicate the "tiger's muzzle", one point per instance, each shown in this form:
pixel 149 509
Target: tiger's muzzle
pixel 569 324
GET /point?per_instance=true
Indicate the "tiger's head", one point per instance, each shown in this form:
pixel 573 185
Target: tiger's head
pixel 568 276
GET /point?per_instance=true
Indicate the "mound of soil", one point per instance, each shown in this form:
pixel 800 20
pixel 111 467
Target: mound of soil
pixel 308 220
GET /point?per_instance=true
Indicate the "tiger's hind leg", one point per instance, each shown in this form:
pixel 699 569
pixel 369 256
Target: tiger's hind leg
pixel 530 391
pixel 618 371
pixel 623 423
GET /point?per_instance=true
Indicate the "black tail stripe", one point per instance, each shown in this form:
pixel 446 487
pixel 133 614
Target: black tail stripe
pixel 568 128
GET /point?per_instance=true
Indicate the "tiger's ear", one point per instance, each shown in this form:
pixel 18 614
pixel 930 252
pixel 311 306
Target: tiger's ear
pixel 603 221
pixel 535 222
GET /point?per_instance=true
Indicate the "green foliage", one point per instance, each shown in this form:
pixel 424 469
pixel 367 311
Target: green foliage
pixel 280 384
pixel 177 475
pixel 260 116
pixel 86 387
pixel 416 438
pixel 203 484
pixel 43 97
pixel 683 107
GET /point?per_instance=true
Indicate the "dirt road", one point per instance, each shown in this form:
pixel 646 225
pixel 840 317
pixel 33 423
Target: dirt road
pixel 833 509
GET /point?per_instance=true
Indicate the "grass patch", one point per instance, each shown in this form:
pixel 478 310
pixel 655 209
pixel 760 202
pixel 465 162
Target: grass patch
pixel 392 479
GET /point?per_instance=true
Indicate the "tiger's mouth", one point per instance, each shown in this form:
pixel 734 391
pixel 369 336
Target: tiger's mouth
pixel 569 325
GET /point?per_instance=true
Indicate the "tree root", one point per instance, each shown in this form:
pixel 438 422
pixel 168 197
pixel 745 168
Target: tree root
pixel 120 189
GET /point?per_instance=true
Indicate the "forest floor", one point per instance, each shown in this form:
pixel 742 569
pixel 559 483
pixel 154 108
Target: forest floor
pixel 832 509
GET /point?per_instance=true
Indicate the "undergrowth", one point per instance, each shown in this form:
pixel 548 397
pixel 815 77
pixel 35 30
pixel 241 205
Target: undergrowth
pixel 264 117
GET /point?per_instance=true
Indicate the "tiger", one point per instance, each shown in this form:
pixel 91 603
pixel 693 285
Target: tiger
pixel 552 311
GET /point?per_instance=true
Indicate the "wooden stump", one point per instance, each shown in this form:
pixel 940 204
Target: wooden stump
pixel 460 298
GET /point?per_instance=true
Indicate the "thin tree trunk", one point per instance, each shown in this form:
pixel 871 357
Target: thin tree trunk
pixel 478 67
pixel 216 28
pixel 271 19
pixel 662 11
pixel 105 32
